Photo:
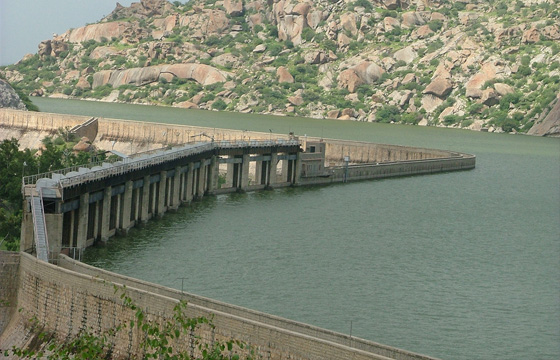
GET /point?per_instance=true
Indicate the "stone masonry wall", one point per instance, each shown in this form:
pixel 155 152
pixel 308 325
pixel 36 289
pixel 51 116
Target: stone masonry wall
pixel 9 267
pixel 136 136
pixel 293 326
pixel 65 301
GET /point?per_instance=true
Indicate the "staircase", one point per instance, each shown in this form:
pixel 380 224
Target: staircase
pixel 39 227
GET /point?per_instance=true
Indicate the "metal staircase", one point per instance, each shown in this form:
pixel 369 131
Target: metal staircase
pixel 39 227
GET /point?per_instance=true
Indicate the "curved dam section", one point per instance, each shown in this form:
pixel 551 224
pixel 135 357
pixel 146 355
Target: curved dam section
pixel 80 206
pixel 73 296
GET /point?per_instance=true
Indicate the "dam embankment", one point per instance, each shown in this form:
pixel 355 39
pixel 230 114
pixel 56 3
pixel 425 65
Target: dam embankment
pixel 70 297
pixel 131 137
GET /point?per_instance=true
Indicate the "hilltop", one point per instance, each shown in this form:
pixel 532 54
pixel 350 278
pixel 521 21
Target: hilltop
pixel 477 64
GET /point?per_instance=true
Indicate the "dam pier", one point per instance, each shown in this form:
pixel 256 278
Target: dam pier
pixel 68 210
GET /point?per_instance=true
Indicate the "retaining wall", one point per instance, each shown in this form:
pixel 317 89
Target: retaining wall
pixel 66 301
pixel 9 266
pixel 290 325
pixel 127 136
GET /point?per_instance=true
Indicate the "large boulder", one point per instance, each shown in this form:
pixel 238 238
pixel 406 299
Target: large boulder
pixel 473 87
pixel 551 32
pixel 490 97
pixel 412 18
pixel 102 52
pixel 407 55
pixel 531 35
pixel 284 75
pixel 391 4
pixel 349 22
pixel 440 87
pixel 369 72
pixel 98 32
pixel 314 18
pixel 349 79
pixel 233 7
pixel 142 9
pixel 201 73
pixel 503 89
pixel 550 125
pixel 206 22
pixel 9 98
pixel 363 73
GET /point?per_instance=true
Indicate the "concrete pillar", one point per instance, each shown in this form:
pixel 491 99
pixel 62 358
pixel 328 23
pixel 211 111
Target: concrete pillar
pixel 96 220
pixel 258 172
pixel 245 172
pixel 175 197
pixel 213 174
pixel 272 176
pixel 54 223
pixel 106 214
pixel 297 169
pixel 126 208
pixel 182 188
pixel 160 208
pixel 190 179
pixel 118 212
pixel 285 170
pixel 26 235
pixel 83 220
pixel 201 180
pixel 73 240
pixel 145 199
pixel 229 175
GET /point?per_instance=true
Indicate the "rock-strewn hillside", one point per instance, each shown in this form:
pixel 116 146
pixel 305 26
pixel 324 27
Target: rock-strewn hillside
pixel 470 63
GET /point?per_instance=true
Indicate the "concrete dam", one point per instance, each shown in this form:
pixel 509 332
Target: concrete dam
pixel 162 167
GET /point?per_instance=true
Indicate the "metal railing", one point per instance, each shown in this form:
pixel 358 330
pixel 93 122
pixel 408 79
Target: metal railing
pixel 40 227
pixel 141 162
pixel 73 252
pixel 32 179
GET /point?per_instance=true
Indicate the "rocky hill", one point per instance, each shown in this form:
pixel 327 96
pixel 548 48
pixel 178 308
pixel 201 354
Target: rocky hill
pixel 478 64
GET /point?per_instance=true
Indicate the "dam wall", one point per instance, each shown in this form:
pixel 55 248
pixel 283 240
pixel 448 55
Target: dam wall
pixel 293 326
pixel 66 299
pixel 336 174
pixel 129 137
pixel 9 269
pixel 364 152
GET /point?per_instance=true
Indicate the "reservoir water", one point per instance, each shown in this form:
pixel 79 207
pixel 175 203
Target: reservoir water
pixel 462 265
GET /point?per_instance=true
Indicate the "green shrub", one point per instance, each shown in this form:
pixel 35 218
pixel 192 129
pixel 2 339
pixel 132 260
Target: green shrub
pixel 219 105
pixel 411 118
pixel 512 98
pixel 451 119
pixel 474 108
pixel 366 4
pixel 435 25
pixel 387 114
pixel 307 34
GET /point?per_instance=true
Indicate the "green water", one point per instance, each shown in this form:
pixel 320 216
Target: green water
pixel 462 265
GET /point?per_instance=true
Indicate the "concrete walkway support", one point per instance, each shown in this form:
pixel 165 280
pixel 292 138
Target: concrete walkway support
pixel 93 205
